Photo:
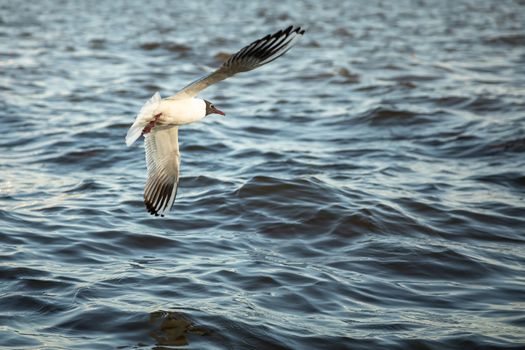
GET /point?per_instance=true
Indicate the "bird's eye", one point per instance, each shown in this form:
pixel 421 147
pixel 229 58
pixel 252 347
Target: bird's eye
pixel 212 106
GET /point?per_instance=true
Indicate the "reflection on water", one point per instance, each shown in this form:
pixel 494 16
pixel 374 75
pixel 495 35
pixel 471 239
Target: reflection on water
pixel 172 328
pixel 366 191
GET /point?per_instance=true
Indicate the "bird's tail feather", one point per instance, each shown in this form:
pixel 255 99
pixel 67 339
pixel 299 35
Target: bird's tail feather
pixel 143 118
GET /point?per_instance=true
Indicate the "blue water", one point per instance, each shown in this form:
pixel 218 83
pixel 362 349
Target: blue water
pixel 365 191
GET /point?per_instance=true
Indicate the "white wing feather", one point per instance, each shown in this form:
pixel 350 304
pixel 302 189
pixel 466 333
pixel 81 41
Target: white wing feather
pixel 163 160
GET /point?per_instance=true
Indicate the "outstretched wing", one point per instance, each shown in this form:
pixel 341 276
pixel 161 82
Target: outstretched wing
pixel 163 160
pixel 257 54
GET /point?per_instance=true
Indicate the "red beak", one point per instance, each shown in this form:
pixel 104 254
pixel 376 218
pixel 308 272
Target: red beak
pixel 217 111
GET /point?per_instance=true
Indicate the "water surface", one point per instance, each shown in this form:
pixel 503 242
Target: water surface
pixel 365 191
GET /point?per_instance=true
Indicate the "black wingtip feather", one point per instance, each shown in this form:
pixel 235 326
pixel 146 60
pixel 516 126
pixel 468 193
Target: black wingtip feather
pixel 158 200
pixel 262 49
pixel 151 209
pixel 274 44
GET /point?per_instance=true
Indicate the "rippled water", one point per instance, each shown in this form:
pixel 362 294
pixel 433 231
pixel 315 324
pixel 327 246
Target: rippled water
pixel 364 191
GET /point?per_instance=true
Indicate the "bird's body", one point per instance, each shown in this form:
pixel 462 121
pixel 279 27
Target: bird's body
pixel 159 119
pixel 170 113
pixel 183 111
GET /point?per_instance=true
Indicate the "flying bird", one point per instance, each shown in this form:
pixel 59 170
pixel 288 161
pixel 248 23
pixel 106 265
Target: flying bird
pixel 159 119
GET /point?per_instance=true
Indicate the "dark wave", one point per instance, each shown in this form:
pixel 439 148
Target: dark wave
pixel 171 47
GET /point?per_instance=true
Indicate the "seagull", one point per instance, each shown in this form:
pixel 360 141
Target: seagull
pixel 159 119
